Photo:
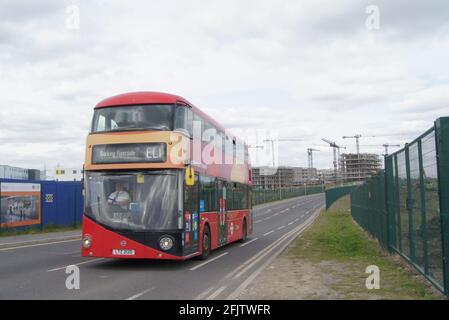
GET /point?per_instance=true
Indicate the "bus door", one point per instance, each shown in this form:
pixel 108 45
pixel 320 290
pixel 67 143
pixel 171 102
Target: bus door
pixel 221 221
pixel 191 234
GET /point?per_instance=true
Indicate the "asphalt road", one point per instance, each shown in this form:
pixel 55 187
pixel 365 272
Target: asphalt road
pixel 38 271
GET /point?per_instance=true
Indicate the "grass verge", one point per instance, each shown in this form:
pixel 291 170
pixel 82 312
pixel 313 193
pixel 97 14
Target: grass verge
pixel 339 249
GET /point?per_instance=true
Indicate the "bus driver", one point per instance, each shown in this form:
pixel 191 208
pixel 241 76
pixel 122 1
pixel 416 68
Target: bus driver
pixel 119 197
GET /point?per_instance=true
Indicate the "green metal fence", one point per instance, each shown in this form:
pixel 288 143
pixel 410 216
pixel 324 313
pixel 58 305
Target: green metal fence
pixel 368 207
pixel 263 196
pixel 336 193
pixel 407 206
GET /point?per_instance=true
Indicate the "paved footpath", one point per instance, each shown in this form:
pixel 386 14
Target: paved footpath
pixel 40 238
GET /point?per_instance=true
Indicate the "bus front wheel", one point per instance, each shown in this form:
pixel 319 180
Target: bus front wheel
pixel 205 244
pixel 244 232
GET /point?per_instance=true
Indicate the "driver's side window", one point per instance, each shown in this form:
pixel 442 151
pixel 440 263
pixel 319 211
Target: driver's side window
pixel 101 123
pixel 114 125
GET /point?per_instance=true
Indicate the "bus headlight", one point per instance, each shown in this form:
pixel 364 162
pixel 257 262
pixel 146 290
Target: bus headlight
pixel 166 243
pixel 87 241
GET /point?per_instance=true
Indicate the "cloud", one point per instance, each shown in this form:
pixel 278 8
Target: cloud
pixel 308 69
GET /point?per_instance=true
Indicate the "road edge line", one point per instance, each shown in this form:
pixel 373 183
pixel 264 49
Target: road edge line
pixel 10 245
pixel 252 276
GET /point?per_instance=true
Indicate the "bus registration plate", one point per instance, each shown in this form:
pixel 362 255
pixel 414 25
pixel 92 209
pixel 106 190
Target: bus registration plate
pixel 123 252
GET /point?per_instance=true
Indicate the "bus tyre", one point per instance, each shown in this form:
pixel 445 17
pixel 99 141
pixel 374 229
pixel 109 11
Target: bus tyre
pixel 205 244
pixel 244 232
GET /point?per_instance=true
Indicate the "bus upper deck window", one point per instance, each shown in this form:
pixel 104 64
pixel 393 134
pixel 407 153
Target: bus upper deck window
pixel 101 123
pixel 197 127
pixel 135 117
pixel 183 119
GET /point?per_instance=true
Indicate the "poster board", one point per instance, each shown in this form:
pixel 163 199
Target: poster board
pixel 20 204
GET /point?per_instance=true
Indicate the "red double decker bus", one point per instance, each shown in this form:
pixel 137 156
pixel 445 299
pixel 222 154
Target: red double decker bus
pixel 162 180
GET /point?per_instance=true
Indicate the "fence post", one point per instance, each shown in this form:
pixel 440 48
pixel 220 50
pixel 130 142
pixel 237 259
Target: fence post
pixel 397 204
pixel 442 144
pixel 423 209
pixel 409 204
pixel 389 199
pixel 386 217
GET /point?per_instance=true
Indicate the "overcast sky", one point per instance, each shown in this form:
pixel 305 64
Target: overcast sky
pixel 308 69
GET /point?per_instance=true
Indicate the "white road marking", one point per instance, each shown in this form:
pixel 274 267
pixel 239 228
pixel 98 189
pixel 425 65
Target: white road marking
pixel 276 214
pixel 73 253
pixel 290 223
pixel 39 244
pixel 134 297
pixel 45 239
pixel 266 251
pixel 296 220
pixel 292 234
pixel 248 242
pixel 259 255
pixel 203 294
pixel 245 266
pixel 75 264
pixel 257 221
pixel 263 213
pixel 216 293
pixel 267 218
pixel 208 261
pixel 266 234
pixel 281 227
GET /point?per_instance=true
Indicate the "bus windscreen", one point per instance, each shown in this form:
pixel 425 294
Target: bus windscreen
pixel 137 201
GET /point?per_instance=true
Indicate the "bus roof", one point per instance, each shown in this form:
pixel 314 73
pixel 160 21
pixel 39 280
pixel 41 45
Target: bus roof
pixel 149 97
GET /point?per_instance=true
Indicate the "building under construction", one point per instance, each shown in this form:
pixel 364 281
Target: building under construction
pixel 282 177
pixel 359 167
pixel 327 176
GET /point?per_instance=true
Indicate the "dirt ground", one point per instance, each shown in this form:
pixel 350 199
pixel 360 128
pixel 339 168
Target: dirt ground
pixel 297 279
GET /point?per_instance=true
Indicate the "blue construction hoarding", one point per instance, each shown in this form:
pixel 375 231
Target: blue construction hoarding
pixel 39 203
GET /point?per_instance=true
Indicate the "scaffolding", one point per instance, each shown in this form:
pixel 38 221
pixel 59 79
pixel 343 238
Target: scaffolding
pixel 359 167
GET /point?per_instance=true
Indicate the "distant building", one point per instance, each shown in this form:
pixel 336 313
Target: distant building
pixel 326 175
pixel 10 172
pixel 359 167
pixel 34 174
pixel 283 177
pixel 304 175
pixel 68 174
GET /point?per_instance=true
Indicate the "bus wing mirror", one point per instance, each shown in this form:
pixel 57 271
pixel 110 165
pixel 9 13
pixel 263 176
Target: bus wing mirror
pixel 190 176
